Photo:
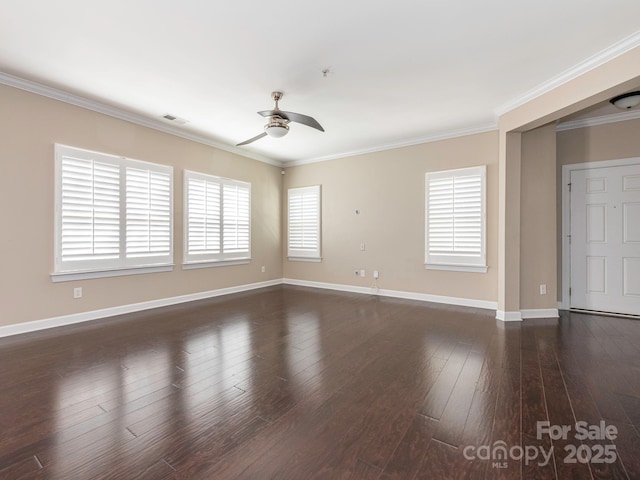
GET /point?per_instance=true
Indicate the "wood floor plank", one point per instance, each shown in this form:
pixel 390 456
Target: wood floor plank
pixel 362 471
pixel 390 415
pixel 343 420
pixel 585 410
pixel 407 458
pixel 534 410
pixel 454 416
pixel 439 394
pixel 445 462
pixel 234 463
pixel 25 468
pixel 631 406
pixel 561 414
pixel 627 447
pixel 293 383
pixel 370 356
pixel 507 425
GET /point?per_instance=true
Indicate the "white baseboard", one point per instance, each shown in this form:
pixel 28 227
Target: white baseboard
pixel 518 316
pixel 36 325
pixel 326 286
pixel 425 297
pixel 509 316
pixel 540 313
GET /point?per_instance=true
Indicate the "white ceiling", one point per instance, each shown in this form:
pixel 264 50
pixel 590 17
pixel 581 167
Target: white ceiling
pixel 401 72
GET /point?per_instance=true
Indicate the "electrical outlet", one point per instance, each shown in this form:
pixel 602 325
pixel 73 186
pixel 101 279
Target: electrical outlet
pixel 77 292
pixel 263 269
pixel 362 247
pixel 363 273
pixel 543 289
pixel 376 274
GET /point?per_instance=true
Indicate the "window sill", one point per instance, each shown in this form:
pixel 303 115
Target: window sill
pixel 305 259
pixel 457 268
pixel 215 263
pixel 120 272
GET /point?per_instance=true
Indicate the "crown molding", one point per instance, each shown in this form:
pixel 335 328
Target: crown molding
pixel 489 127
pixel 93 105
pixel 595 121
pixel 619 48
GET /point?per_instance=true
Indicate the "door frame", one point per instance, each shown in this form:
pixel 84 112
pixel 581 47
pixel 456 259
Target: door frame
pixel 564 303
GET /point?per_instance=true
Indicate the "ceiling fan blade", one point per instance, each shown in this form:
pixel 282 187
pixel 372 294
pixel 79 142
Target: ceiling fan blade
pixel 257 137
pixel 277 113
pixel 303 119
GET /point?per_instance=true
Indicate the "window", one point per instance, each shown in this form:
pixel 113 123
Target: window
pixel 217 220
pixel 113 215
pixel 455 220
pixel 304 223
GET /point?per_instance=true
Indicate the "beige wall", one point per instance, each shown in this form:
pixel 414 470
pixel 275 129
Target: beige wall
pixel 388 189
pixel 538 264
pixel 509 179
pixel 592 144
pixel 603 142
pixel 29 126
pixel 613 77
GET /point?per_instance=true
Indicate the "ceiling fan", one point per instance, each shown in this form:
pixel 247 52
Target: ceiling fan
pixel 278 125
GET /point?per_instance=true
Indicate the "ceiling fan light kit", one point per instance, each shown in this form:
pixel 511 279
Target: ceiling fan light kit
pixel 278 125
pixel 276 129
pixel 626 100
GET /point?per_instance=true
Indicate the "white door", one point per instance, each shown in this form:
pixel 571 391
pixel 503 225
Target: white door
pixel 605 239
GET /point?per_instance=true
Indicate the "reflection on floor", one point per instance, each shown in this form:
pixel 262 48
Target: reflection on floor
pixel 295 383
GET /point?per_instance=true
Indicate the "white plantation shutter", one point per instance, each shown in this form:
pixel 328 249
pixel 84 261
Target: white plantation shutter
pixel 235 218
pixel 217 219
pixel 203 216
pixel 111 213
pixel 455 218
pixel 148 217
pixel 304 222
pixel 90 225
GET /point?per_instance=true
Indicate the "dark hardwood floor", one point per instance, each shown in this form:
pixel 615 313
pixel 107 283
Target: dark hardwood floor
pixel 294 383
